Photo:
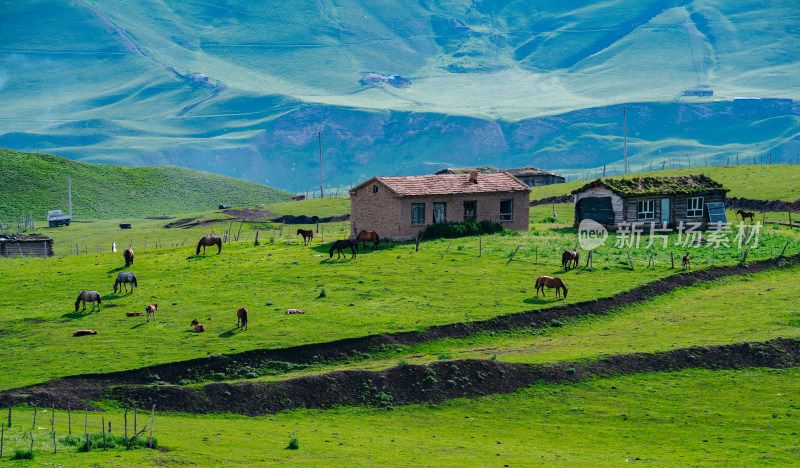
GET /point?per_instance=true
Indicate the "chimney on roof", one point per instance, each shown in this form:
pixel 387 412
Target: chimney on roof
pixel 473 177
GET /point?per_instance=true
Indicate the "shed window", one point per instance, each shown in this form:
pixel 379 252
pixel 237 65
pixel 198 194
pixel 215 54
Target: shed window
pixel 646 209
pixel 417 214
pixel 470 210
pixel 439 212
pixel 694 207
pixel 374 189
pixel 506 210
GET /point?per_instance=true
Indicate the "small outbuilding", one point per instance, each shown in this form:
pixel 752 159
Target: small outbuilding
pixel 32 245
pixel 401 208
pixel 530 176
pixel 642 201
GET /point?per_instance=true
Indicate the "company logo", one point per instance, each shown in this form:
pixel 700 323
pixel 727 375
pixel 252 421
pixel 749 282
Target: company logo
pixel 591 234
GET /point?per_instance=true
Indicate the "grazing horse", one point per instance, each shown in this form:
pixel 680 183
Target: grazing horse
pixel 91 296
pixel 207 241
pixel 343 244
pixel 151 310
pixel 127 254
pixel 686 261
pixel 747 214
pixel 125 278
pixel 569 259
pixel 197 326
pixel 241 318
pixel 550 282
pixel 308 235
pixel 371 236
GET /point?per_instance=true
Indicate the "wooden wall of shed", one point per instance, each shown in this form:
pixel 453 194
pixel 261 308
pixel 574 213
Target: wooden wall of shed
pixel 678 208
pixel 27 248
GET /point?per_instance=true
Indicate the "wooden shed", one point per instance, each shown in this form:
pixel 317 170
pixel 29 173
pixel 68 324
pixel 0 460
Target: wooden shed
pixel 26 246
pixel 402 207
pixel 642 201
pixel 530 176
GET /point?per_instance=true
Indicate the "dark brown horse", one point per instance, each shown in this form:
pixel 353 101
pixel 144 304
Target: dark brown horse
pixel 371 236
pixel 308 235
pixel 207 241
pixel 91 296
pixel 550 282
pixel 747 214
pixel 569 259
pixel 343 244
pixel 686 261
pixel 241 318
pixel 127 254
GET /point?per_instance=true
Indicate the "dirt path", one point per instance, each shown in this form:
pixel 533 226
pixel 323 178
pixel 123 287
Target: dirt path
pixel 406 384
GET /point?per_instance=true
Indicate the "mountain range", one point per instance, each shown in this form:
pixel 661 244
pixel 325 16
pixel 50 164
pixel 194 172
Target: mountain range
pixel 257 90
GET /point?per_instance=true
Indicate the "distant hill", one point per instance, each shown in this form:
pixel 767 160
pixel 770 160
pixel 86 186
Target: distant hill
pixel 245 88
pixel 36 183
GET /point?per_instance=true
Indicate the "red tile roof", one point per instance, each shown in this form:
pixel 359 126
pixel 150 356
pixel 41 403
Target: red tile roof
pixel 446 184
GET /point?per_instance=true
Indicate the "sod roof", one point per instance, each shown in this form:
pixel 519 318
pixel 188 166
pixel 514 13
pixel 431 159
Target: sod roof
pixel 639 186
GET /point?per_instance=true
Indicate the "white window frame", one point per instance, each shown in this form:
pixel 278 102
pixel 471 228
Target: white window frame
pixel 421 207
pixel 692 210
pixel 642 211
pixel 508 216
pixel 444 212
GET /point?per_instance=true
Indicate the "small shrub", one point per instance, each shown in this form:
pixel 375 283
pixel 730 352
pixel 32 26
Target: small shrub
pixel 22 455
pixel 351 303
pixel 549 219
pixel 402 362
pixel 294 444
pixel 493 358
pixel 385 400
pixel 268 303
pixel 556 323
pixel 570 370
pixel 444 356
pixel 468 228
pixel 322 294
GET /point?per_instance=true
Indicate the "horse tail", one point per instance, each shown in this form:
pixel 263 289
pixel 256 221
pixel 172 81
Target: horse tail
pixel 133 281
pixel 377 239
pixel 98 299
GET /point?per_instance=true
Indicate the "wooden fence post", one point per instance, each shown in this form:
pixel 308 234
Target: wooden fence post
pixel 31 433
pixel 152 420
pixel 256 242
pixel 69 420
pixel 2 438
pixel 9 417
pixel 784 249
pixel 629 259
pixel 127 443
pixel 480 246
pixel 672 259
pixel 448 247
pixel 744 257
pixel 34 417
pixel 103 425
pixel 134 420
pixel 512 255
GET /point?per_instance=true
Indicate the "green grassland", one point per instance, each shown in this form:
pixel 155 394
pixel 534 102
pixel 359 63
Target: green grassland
pixel 36 183
pixel 764 182
pixel 694 417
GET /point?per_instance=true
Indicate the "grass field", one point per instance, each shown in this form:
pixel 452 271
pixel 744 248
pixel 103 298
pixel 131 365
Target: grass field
pixel 770 182
pixel 694 417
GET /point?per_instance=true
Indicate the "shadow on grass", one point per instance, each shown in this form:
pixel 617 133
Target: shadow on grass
pixel 138 325
pixel 229 333
pixel 200 257
pixel 76 315
pixel 542 300
pixel 116 269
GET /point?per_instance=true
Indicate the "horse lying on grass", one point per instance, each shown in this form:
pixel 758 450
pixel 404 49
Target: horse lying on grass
pixel 550 282
pixel 84 332
pixel 197 326
pixel 91 296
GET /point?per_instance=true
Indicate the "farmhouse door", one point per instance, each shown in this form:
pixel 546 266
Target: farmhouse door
pixel 596 208
pixel 665 210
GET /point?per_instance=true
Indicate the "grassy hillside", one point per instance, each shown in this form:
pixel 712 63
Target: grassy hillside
pixel 764 182
pixel 36 183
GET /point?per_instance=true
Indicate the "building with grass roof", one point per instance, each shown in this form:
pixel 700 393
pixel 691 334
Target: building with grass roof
pixel 643 201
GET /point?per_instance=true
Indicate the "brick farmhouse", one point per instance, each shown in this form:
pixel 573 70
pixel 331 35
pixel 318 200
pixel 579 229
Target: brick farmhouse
pixel 401 208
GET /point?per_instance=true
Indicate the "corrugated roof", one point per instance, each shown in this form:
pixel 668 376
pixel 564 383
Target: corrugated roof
pixel 448 184
pixel 638 186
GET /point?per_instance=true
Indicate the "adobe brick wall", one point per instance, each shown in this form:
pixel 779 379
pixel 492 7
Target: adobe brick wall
pixel 390 216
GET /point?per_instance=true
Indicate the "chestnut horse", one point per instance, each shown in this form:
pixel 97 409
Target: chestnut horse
pixel 308 235
pixel 371 236
pixel 570 259
pixel 343 244
pixel 747 214
pixel 91 296
pixel 550 282
pixel 208 241
pixel 127 254
pixel 686 261
pixel 241 318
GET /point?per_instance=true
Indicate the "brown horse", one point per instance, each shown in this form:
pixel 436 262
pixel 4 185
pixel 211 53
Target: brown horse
pixel 151 310
pixel 208 241
pixel 550 282
pixel 569 259
pixel 241 318
pixel 686 261
pixel 343 244
pixel 197 326
pixel 747 214
pixel 371 236
pixel 91 296
pixel 308 235
pixel 127 254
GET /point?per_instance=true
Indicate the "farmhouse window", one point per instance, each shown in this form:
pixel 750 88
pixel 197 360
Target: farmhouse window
pixel 417 214
pixel 374 189
pixel 506 210
pixel 694 207
pixel 646 209
pixel 470 210
pixel 439 212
